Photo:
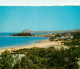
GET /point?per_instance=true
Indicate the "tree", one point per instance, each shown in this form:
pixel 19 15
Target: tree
pixel 17 65
pixel 7 60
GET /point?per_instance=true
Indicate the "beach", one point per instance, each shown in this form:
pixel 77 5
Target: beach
pixel 42 44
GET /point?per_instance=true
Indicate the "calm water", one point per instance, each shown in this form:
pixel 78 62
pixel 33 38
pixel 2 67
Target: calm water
pixel 6 41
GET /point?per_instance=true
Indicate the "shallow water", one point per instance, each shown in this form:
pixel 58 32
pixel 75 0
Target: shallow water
pixel 6 41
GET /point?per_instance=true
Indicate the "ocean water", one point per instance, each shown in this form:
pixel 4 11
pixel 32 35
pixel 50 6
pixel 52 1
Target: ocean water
pixel 7 41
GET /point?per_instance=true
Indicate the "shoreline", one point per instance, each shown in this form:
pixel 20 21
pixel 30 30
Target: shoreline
pixel 19 45
pixel 43 44
pixel 23 36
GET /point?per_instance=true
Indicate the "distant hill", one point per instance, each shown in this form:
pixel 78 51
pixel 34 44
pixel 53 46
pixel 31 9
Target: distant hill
pixel 63 31
pixel 27 31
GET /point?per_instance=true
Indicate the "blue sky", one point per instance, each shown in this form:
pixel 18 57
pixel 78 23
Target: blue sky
pixel 36 18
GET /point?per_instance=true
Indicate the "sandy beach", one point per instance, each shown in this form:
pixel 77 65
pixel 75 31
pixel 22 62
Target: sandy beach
pixel 42 44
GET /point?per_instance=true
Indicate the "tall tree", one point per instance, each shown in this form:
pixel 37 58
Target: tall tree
pixel 7 60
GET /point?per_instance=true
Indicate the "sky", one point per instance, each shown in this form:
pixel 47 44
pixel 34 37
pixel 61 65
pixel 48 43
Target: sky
pixel 39 18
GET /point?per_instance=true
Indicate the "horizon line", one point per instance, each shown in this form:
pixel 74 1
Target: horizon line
pixel 32 30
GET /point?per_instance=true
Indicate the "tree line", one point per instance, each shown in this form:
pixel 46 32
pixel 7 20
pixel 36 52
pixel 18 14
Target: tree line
pixel 22 34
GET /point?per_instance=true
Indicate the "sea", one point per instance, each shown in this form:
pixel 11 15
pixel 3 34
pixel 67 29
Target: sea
pixel 7 41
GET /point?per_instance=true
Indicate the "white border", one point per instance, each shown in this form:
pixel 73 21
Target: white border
pixel 39 2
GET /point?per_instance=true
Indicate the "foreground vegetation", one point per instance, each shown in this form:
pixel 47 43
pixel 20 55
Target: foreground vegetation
pixel 41 58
